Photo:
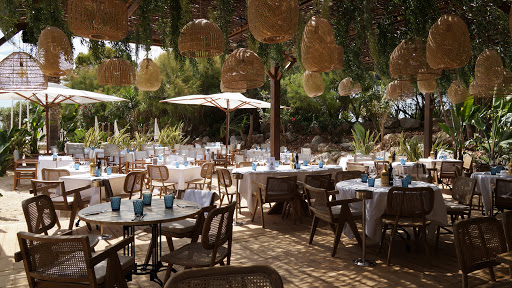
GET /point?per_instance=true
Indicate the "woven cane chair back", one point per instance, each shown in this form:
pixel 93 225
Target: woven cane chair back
pixel 158 172
pixel 347 175
pixel 134 182
pixel 410 202
pixel 503 194
pixel 207 170
pixel 317 201
pixel 53 174
pixel 322 181
pixel 243 164
pixel 49 188
pixel 224 178
pixel 218 227
pixel 463 190
pixel 39 214
pixel 279 188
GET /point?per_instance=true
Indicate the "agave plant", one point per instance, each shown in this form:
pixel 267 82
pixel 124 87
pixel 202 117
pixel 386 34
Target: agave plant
pixel 171 135
pixel 122 139
pixel 141 140
pixel 93 138
pixel 364 141
pixel 410 148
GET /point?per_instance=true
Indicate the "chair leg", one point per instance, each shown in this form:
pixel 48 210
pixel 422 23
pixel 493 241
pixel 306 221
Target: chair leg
pixel 339 229
pixel 72 219
pixel 384 229
pixel 255 209
pixel 149 252
pixel 437 236
pixel 168 273
pixel 393 231
pixel 491 274
pixel 170 244
pixel 423 230
pixel 314 224
pixel 352 224
pixel 261 212
pixel 221 199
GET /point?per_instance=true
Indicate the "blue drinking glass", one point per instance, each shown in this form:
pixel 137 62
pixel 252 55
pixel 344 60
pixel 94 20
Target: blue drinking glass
pixel 97 172
pixel 405 182
pixel 493 170
pixel 77 166
pixel 185 163
pixel 177 164
pixel 371 182
pixel 321 164
pixel 115 203
pixel 277 164
pixel 146 198
pixel 297 165
pixel 498 169
pixel 364 177
pixel 305 162
pixel 254 166
pixel 409 179
pixel 402 161
pixel 169 201
pixel 159 156
pixel 109 170
pixel 138 207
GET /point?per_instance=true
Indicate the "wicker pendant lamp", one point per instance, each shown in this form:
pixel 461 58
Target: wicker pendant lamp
pixel 313 83
pixel 19 71
pixel 243 70
pixel 148 76
pixel 399 90
pixel 224 89
pixel 318 45
pixel 273 21
pixel 337 63
pixel 54 52
pixel 407 59
pixel 448 44
pixel 348 87
pixel 427 86
pixel 457 93
pixel 201 38
pixel 98 19
pixel 489 68
pixel 479 90
pixel 116 72
pixel 505 87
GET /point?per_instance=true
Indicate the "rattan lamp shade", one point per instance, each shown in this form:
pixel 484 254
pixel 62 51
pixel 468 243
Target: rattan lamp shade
pixel 318 45
pixel 98 19
pixel 337 63
pixel 224 89
pixel 313 83
pixel 505 87
pixel 201 38
pixel 273 21
pixel 54 52
pixel 457 93
pixel 148 76
pixel 243 70
pixel 489 68
pixel 399 90
pixel 479 90
pixel 116 72
pixel 19 71
pixel 448 44
pixel 427 86
pixel 348 87
pixel 406 60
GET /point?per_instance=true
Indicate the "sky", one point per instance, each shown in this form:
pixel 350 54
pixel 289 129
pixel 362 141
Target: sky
pixel 16 45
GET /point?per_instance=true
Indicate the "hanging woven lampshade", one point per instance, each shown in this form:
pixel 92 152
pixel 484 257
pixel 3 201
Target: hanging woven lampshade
pixel 313 83
pixel 318 45
pixel 98 19
pixel 448 44
pixel 399 90
pixel 116 72
pixel 407 59
pixel 148 76
pixel 19 71
pixel 54 52
pixel 273 21
pixel 489 68
pixel 201 38
pixel 427 86
pixel 224 89
pixel 457 93
pixel 505 87
pixel 337 63
pixel 481 90
pixel 348 87
pixel 243 70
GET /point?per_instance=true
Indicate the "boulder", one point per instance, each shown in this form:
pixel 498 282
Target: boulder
pixel 315 130
pixel 317 140
pixel 197 141
pixel 343 128
pixel 410 123
pixel 206 139
pixel 290 137
pixel 235 139
pixel 314 147
pixel 321 147
pixel 265 128
pixel 368 125
pixel 347 147
pixel 267 136
pixel 258 138
pixel 391 123
pixel 392 139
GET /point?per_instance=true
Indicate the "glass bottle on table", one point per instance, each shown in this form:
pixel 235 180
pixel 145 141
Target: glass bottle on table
pixel 292 162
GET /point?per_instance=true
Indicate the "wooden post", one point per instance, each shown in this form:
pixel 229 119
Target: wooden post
pixel 275 117
pixel 427 134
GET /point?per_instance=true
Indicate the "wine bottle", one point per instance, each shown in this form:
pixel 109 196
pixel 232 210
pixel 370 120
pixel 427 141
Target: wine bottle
pixel 292 162
pixel 390 174
pixel 296 160
pixel 384 176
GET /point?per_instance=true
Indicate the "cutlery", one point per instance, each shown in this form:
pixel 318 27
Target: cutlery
pixel 186 206
pixel 95 212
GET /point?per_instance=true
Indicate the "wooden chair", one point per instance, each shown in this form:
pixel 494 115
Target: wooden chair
pixel 206 177
pixel 502 195
pixel 113 156
pixel 449 172
pixel 53 174
pixel 277 189
pixel 68 261
pixel 133 184
pixel 67 200
pixel 261 276
pixel 379 166
pixel 133 164
pixel 322 181
pixel 224 182
pixel 506 219
pixel 158 174
pixel 346 175
pixel 351 166
pixel 216 232
pixel 23 169
pixel 334 212
pixel 244 164
pixel 477 242
pixel 407 207
pixel 467 165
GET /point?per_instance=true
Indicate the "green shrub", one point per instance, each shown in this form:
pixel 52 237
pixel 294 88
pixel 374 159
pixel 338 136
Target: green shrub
pixel 364 141
pixel 410 148
pixel 122 140
pixel 171 135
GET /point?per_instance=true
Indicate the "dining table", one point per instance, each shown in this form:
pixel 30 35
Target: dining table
pixel 93 194
pixel 484 182
pixel 154 215
pixel 182 174
pixel 376 206
pixel 433 163
pixel 47 161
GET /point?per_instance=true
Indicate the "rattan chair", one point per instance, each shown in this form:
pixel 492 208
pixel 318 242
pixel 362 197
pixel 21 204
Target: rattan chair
pixel 133 164
pixel 277 189
pixel 477 242
pixel 158 174
pixel 502 195
pixel 261 276
pixel 225 181
pixel 23 168
pixel 407 207
pixel 53 174
pixel 244 164
pixel 217 231
pixel 506 219
pixel 334 212
pixel 133 184
pixel 67 200
pixel 379 166
pixel 449 172
pixel 346 175
pixel 322 181
pixel 467 165
pixel 113 156
pixel 206 177
pixel 355 167
pixel 68 261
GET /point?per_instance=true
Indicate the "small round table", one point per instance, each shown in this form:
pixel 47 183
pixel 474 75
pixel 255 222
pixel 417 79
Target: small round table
pixel 154 216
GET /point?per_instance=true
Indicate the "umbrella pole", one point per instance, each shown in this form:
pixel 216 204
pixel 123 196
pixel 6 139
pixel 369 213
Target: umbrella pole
pixel 227 128
pixel 47 136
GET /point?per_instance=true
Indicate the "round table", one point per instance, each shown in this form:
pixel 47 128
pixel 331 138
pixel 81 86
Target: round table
pixel 483 185
pixel 154 216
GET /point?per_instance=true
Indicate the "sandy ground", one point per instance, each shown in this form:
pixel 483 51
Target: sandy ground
pixel 10 207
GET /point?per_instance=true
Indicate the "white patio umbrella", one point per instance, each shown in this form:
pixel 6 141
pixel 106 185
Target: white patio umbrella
pixel 116 130
pixel 57 94
pixel 157 130
pixel 96 126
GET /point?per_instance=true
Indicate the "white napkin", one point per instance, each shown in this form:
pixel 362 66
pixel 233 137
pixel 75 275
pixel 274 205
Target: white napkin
pixel 202 197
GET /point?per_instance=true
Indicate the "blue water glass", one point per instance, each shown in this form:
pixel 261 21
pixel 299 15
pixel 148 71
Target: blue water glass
pixel 146 198
pixel 297 165
pixel 168 200
pixel 305 162
pixel 185 163
pixel 77 166
pixel 109 170
pixel 115 203
pixel 97 172
pixel 177 164
pixel 498 169
pixel 321 164
pixel 254 166
pixel 159 156
pixel 493 170
pixel 405 182
pixel 402 161
pixel 92 148
pixel 277 164
pixel 127 150
pixel 138 207
pixel 364 177
pixel 371 182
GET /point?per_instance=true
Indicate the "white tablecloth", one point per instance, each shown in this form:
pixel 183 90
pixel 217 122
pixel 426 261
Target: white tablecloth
pixel 183 174
pixel 46 161
pixel 247 186
pixel 429 163
pixel 84 179
pixel 483 185
pixel 375 207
